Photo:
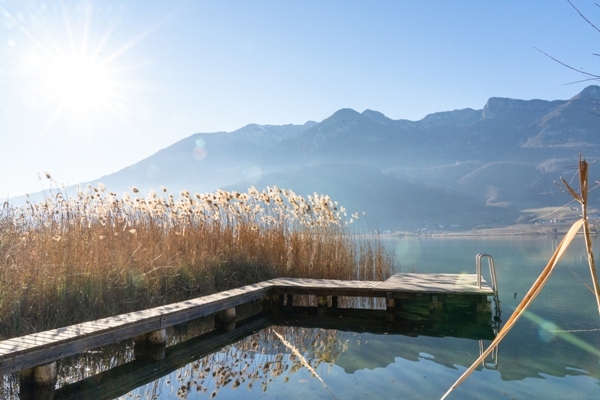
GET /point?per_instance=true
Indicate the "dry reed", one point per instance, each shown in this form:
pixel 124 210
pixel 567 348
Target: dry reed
pixel 66 259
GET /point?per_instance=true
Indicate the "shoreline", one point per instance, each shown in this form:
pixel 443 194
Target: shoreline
pixel 511 230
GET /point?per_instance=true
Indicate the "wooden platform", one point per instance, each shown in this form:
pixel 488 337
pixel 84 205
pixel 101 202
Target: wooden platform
pixel 41 348
pixel 398 285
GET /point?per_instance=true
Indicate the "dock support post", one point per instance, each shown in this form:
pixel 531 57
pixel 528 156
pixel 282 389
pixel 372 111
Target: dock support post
pixel 151 346
pixel 483 305
pixel 38 383
pixel 42 375
pixel 226 319
pixel 290 300
pixel 390 305
pixel 274 302
pixel 334 302
pixel 436 308
pixel 322 303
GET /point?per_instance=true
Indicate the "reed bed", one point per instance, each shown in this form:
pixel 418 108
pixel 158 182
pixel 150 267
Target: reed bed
pixel 70 259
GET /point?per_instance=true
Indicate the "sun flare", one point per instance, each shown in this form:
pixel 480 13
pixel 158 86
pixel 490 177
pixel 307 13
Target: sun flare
pixel 70 73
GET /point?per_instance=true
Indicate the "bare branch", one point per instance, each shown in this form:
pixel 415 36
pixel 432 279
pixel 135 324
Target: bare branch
pixel 567 65
pixel 583 16
pixel 583 80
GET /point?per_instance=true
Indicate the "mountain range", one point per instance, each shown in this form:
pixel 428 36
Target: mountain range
pixel 463 168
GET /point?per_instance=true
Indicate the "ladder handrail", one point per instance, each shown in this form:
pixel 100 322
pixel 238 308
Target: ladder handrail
pixel 492 267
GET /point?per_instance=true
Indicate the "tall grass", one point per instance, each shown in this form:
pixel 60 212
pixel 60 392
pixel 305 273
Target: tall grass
pixel 67 259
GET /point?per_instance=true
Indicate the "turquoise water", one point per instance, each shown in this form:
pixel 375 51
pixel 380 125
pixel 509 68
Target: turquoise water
pixel 553 352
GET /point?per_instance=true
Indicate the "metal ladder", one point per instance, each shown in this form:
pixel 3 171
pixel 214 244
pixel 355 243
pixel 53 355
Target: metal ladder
pixel 494 362
pixel 494 282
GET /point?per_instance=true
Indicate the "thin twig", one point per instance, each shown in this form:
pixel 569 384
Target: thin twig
pixel 583 16
pixel 567 65
pixel 573 330
pixel 553 212
pixel 585 284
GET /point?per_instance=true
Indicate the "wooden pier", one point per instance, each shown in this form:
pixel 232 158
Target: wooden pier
pixel 437 291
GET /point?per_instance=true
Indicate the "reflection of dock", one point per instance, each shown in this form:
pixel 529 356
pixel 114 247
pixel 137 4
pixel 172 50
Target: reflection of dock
pixel 436 295
pixel 122 379
pixel 447 324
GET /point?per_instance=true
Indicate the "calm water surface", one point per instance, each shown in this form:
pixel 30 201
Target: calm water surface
pixel 553 352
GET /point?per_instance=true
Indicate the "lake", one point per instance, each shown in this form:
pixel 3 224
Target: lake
pixel 552 352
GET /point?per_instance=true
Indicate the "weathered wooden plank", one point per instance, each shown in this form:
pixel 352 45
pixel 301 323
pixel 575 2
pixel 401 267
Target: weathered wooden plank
pixel 212 307
pixel 36 349
pixel 326 287
pixel 324 283
pixel 349 292
pixel 436 283
pixel 53 351
pixel 6 348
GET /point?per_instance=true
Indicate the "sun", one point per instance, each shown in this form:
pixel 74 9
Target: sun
pixel 78 84
pixel 69 71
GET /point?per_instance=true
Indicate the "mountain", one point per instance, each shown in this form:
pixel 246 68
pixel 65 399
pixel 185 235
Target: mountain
pixel 205 161
pixel 462 167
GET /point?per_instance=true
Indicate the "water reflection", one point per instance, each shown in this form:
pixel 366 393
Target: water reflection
pixel 216 361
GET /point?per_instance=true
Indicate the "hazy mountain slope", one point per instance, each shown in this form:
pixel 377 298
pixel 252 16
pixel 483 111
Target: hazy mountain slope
pixel 205 161
pixel 572 125
pixel 388 202
pixel 508 184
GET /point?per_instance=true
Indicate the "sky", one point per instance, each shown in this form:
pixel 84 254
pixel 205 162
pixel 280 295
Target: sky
pixel 90 87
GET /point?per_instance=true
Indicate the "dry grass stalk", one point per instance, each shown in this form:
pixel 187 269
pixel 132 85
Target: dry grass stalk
pixel 582 198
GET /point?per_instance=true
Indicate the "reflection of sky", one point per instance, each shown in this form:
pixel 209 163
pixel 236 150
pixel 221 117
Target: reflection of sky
pixel 374 366
pixel 422 379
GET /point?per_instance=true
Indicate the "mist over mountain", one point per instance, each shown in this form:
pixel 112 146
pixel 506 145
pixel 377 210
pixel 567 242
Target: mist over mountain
pixel 462 168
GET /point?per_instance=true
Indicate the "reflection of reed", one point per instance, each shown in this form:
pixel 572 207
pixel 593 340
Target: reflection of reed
pixel 85 365
pixel 9 387
pixel 253 362
pixel 257 360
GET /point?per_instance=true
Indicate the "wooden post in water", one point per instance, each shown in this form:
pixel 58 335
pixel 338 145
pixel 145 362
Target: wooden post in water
pixel 226 319
pixel 38 383
pixel 151 346
pixel 322 303
pixel 390 306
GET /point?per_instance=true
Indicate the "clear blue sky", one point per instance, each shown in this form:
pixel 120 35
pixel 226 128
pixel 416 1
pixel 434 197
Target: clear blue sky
pixel 88 88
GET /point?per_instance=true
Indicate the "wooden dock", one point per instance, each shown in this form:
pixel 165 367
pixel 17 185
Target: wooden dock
pixel 437 290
